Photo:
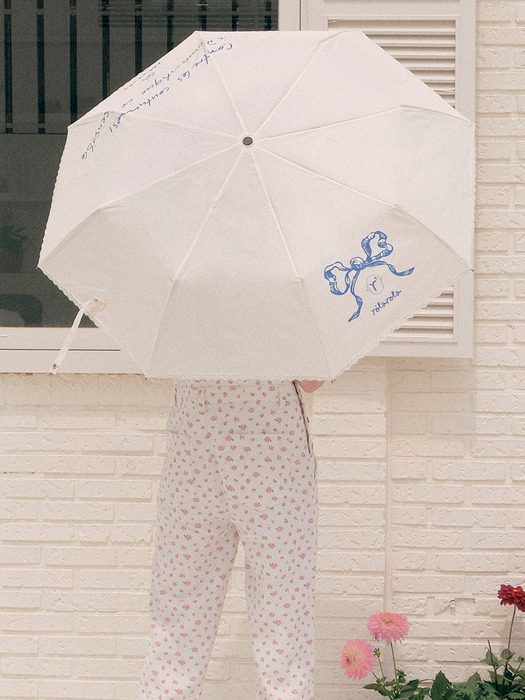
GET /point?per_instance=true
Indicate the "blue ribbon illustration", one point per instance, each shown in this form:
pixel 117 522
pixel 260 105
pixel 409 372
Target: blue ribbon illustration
pixel 357 265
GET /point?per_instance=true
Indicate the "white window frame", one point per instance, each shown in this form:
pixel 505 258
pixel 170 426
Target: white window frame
pixel 34 350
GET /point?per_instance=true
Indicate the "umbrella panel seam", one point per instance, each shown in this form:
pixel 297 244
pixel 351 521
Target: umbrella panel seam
pixel 373 115
pixel 294 83
pixel 364 194
pixel 188 127
pixel 213 62
pixel 178 272
pixel 283 239
pixel 140 191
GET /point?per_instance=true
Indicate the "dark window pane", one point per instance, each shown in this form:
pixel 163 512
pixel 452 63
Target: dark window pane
pixel 59 59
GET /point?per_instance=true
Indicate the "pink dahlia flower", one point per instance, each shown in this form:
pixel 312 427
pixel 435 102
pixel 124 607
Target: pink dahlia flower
pixel 358 658
pixel 388 626
pixel 512 595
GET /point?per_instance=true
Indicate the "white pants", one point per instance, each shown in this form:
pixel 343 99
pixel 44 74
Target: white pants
pixel 239 466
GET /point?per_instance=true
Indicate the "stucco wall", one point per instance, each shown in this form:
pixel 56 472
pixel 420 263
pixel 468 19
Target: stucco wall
pixel 421 473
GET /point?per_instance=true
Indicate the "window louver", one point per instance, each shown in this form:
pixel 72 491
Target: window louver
pixel 434 321
pixel 426 47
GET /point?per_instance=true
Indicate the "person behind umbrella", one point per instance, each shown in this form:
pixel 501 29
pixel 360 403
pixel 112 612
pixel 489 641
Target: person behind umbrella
pixel 239 466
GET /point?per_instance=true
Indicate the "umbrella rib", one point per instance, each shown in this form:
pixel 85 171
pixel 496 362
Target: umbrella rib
pixel 213 62
pixel 173 174
pixel 296 273
pixel 365 116
pixel 190 249
pixel 324 177
pixel 184 126
pixel 352 189
pixel 291 87
pixel 72 233
pixel 199 232
pixel 307 66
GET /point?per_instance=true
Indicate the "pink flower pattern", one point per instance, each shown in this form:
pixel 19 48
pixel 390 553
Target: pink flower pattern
pixel 238 468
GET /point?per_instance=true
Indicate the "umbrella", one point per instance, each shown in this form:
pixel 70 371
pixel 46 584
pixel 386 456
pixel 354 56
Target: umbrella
pixel 262 205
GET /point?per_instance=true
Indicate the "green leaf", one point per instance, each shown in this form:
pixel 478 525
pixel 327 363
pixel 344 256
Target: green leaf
pixel 441 687
pixel 408 693
pixel 507 654
pixel 409 690
pixel 379 688
pixel 474 679
pixel 491 659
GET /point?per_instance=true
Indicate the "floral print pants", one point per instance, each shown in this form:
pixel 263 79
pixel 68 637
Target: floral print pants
pixel 239 466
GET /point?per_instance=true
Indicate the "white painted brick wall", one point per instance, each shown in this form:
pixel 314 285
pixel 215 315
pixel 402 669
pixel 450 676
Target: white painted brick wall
pixel 421 476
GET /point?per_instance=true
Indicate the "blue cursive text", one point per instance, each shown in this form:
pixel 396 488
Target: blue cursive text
pixel 381 304
pixel 181 73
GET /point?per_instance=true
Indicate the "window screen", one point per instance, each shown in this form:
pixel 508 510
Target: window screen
pixel 59 59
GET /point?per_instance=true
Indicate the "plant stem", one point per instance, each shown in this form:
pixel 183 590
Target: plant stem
pixel 495 669
pixel 511 624
pixel 508 649
pixel 396 684
pixel 381 665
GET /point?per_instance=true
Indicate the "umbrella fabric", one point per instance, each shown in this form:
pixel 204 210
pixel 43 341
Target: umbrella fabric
pixel 262 205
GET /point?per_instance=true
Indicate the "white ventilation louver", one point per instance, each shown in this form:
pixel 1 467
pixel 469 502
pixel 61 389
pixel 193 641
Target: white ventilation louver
pixel 426 47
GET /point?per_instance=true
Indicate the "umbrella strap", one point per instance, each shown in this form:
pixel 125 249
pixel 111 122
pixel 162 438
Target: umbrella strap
pixel 91 305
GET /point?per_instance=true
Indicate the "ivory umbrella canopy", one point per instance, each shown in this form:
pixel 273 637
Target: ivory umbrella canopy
pixel 262 205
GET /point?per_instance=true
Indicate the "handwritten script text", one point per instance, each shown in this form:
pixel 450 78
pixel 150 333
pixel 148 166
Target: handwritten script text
pixel 381 304
pixel 156 86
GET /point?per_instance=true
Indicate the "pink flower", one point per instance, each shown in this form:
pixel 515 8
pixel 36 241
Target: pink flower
pixel 358 658
pixel 388 626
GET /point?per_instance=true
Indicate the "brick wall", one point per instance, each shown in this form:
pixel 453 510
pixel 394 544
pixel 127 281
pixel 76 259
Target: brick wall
pixel 420 465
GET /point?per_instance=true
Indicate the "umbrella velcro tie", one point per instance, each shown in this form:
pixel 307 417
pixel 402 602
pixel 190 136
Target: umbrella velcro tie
pixel 93 304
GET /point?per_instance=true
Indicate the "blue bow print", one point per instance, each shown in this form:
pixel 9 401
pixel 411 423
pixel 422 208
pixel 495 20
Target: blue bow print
pixel 357 265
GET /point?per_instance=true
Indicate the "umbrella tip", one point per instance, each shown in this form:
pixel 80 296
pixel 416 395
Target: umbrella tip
pixel 247 141
pixel 97 304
